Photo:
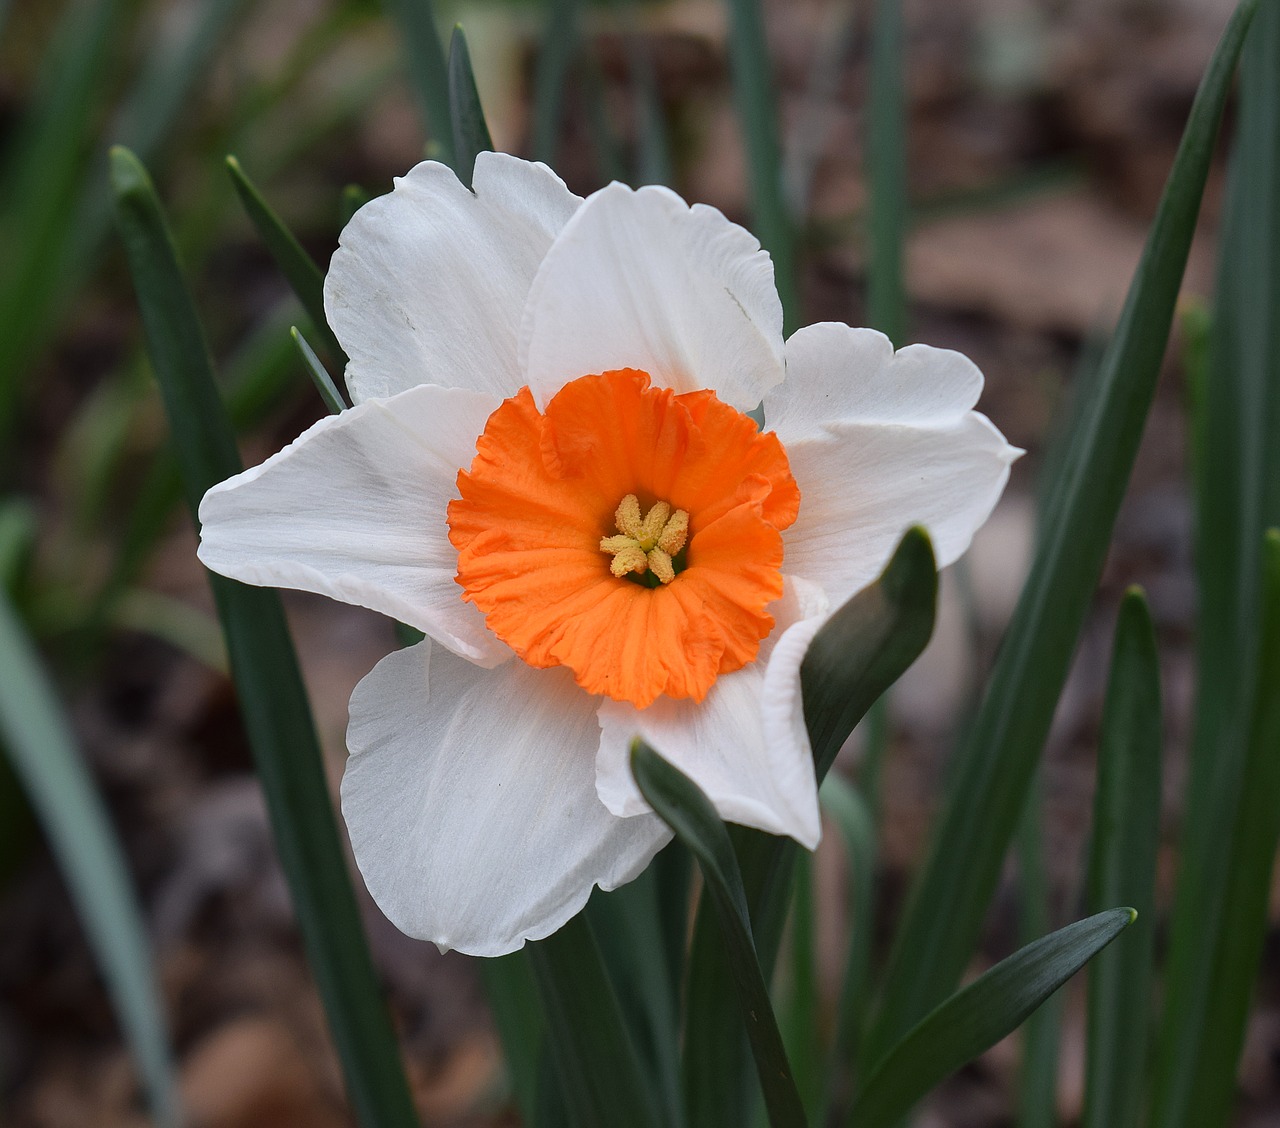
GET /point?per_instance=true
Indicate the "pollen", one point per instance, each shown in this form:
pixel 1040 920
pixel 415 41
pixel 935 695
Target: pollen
pixel 648 544
pixel 538 555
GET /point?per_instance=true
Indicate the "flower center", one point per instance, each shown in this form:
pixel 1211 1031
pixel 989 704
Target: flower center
pixel 545 485
pixel 646 545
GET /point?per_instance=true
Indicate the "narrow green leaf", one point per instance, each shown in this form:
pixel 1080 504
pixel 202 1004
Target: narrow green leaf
pixel 1236 469
pixel 887 174
pixel 466 114
pixel 852 815
pixel 1241 927
pixel 48 160
pixel 319 374
pixel 43 753
pixel 684 808
pixel 1122 867
pixel 591 1050
pixel 272 697
pixel 512 992
pixel 859 652
pixel 977 1017
pixel 295 264
pixel 755 100
pixel 17 538
pixel 428 72
pixel 950 896
pixel 556 50
pixel 1041 1036
pixel 799 1014
pixel 627 924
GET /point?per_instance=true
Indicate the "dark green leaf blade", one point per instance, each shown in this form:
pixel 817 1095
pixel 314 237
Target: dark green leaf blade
pixel 466 114
pixel 861 651
pixel 295 264
pixel 272 697
pixel 755 101
pixel 683 807
pixel 428 72
pixel 590 1048
pixel 42 750
pixel 977 1017
pixel 1236 473
pixel 952 891
pixel 319 374
pixel 1122 867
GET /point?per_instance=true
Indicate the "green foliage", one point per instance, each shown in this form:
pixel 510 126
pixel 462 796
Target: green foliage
pixel 272 697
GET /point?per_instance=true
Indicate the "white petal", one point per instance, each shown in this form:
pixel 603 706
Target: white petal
pixel 864 484
pixel 738 744
pixel 471 803
pixel 355 509
pixel 835 373
pixel 641 280
pixel 429 282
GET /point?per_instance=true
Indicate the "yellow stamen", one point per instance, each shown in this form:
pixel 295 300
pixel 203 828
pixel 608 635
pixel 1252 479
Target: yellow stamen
pixel 647 543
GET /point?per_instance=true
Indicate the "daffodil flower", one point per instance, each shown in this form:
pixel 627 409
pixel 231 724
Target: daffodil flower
pixel 549 471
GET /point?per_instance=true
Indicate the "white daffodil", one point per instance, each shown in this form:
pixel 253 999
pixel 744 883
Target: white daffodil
pixel 548 471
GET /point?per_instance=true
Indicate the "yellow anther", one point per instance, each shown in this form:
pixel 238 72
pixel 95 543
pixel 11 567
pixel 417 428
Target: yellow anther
pixel 646 543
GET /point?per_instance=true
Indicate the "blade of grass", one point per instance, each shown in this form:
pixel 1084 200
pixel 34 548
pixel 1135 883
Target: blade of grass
pixel 590 1047
pixel 1236 468
pixel 1038 1078
pixel 684 808
pixel 977 1017
pixel 298 267
pixel 799 1016
pixel 1122 866
pixel 466 114
pixel 512 992
pixel 272 698
pixel 844 804
pixel 887 173
pixel 628 926
pixel 862 650
pixel 428 72
pixel 43 753
pixel 950 895
pixel 319 374
pixel 1243 927
pixel 755 101
pixel 555 57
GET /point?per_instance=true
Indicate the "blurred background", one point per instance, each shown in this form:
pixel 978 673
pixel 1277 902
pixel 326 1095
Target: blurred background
pixel 1039 136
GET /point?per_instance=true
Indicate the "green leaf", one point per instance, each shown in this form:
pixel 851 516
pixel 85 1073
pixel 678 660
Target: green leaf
pixel 950 896
pixel 295 264
pixel 867 645
pixel 273 700
pixel 1236 478
pixel 512 992
pixel 755 101
pixel 859 652
pixel 1240 926
pixel 627 923
pixel 466 114
pixel 556 50
pixel 43 753
pixel 590 1048
pixel 1122 867
pixel 1042 1034
pixel 887 174
pixel 683 807
pixel 428 72
pixel 977 1017
pixel 319 374
pixel 844 804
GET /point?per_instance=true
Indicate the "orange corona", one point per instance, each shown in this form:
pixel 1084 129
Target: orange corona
pixel 626 532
